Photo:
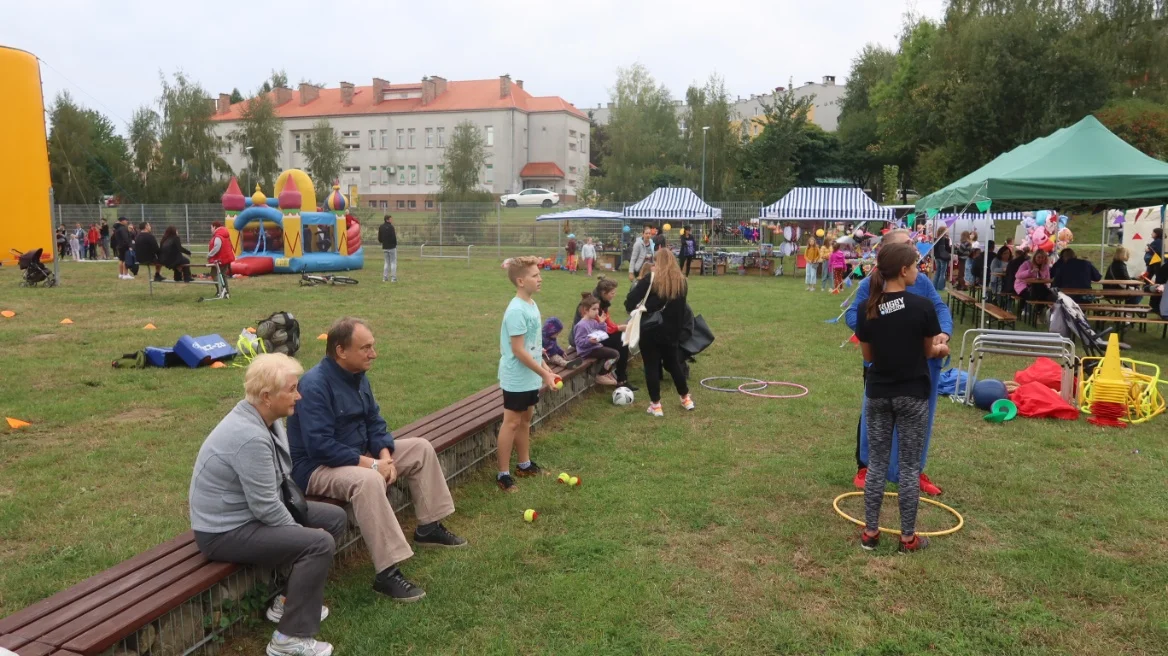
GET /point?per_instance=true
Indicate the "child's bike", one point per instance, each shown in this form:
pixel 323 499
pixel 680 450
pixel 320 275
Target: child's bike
pixel 312 280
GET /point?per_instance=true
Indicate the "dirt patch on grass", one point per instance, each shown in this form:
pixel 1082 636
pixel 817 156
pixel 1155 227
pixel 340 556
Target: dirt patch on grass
pixel 42 337
pixel 139 415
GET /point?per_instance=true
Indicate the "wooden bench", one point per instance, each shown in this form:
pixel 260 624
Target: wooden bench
pixel 1034 309
pixel 1002 317
pixel 172 600
pixel 959 301
pixel 217 279
pixel 1122 323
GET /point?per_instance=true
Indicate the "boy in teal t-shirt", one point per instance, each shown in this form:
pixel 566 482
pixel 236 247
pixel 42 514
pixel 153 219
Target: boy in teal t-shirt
pixel 521 370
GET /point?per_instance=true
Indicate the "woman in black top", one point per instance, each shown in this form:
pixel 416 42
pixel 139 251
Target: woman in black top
pixel 1117 270
pixel 173 256
pixel 897 333
pixel 942 256
pixel 664 291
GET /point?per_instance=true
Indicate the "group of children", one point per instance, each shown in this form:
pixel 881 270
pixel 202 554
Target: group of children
pixel 824 259
pixel 587 253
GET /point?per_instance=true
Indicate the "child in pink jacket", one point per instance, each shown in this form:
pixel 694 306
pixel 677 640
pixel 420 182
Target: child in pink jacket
pixel 839 264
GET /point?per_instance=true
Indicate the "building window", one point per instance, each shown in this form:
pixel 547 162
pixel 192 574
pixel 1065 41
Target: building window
pixel 490 135
pixel 429 174
pixel 429 204
pixel 441 172
pixel 372 139
pixel 352 169
pixel 401 175
pixel 413 137
pixel 372 175
pixel 571 169
pixel 490 177
pixel 413 174
pixel 296 142
pixel 413 204
pixel 401 138
pixel 401 204
pixel 385 175
pixel 572 146
pixel 572 133
pixel 350 134
pixel 384 204
pixel 384 139
pixel 429 137
pixel 373 203
pixel 353 146
pixel 441 137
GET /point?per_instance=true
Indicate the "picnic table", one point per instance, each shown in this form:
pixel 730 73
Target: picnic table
pixel 1110 293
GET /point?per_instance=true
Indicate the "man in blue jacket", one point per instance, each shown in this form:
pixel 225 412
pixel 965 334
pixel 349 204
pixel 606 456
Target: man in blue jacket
pixel 922 287
pixel 341 449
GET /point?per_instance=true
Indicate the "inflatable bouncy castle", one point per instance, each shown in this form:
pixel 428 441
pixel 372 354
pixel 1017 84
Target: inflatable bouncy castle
pixel 275 235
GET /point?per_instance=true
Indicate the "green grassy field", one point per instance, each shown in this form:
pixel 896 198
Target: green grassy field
pixel 705 532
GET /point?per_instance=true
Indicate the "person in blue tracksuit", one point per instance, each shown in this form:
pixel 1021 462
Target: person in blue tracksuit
pixel 922 287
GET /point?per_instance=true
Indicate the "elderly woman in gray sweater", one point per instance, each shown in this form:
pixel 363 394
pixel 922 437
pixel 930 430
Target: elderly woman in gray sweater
pixel 238 514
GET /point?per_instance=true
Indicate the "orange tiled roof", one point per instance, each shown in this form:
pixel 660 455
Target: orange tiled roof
pixel 541 170
pixel 464 95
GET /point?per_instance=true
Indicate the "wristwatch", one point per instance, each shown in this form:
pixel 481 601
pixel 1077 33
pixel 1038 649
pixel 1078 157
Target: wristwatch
pixel 374 465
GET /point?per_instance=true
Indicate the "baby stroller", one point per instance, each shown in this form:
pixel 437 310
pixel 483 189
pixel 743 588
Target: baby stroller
pixel 1069 320
pixel 33 272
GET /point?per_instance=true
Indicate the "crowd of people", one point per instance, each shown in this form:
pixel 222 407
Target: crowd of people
pixel 135 246
pixel 83 242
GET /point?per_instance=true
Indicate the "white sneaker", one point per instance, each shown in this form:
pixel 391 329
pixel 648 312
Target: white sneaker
pixel 687 402
pixel 655 410
pixel 282 645
pixel 276 611
pixel 393 279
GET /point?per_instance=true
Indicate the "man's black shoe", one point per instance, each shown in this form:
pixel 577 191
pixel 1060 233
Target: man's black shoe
pixel 438 537
pixel 392 584
pixel 632 387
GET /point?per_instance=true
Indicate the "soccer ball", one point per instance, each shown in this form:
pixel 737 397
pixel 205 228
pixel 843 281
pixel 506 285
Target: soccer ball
pixel 622 396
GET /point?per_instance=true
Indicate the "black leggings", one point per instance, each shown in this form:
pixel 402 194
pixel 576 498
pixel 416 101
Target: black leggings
pixel 685 262
pixel 621 371
pixel 182 270
pixel 655 356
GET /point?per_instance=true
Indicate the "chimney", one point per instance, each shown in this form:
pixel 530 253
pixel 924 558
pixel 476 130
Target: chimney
pixel 504 86
pixel 283 95
pixel 379 87
pixel 519 83
pixel 346 93
pixel 428 91
pixel 829 80
pixel 224 103
pixel 308 93
pixel 439 85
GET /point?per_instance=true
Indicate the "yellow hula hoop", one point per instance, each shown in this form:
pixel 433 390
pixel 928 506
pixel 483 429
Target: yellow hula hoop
pixel 928 534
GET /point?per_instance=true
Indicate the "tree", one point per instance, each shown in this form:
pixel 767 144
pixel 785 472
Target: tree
pixel 259 136
pixel 1141 123
pixel 818 156
pixel 710 106
pixel 643 135
pixel 236 96
pixel 861 157
pixel 190 167
pixel 279 78
pixel 143 138
pixel 597 144
pixel 463 161
pixel 325 156
pixel 767 165
pixel 87 158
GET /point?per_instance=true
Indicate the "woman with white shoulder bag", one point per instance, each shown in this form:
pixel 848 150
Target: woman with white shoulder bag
pixel 656 307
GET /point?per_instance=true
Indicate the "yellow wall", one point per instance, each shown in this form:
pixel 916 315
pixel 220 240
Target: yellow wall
pixel 26 223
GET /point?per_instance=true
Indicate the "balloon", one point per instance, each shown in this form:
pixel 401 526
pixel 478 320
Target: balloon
pixel 819 233
pixel 572 236
pixel 626 229
pixel 666 227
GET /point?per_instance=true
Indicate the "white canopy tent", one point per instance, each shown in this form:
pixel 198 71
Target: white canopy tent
pixel 672 203
pixel 582 214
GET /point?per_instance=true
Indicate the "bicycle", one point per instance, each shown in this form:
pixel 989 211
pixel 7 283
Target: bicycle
pixel 312 280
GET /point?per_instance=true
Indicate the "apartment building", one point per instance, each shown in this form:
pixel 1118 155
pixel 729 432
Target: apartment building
pixel 825 106
pixel 396 135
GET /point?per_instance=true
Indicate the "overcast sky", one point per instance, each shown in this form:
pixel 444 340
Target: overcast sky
pixel 108 54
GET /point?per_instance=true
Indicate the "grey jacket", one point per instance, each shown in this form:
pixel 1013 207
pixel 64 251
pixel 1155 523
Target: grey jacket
pixel 642 253
pixel 235 479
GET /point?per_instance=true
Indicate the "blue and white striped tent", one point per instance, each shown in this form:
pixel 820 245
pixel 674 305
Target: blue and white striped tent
pixel 672 203
pixel 826 204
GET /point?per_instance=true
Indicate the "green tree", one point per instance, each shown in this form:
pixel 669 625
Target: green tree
pixel 818 156
pixel 143 138
pixel 598 145
pixel 1141 123
pixel 643 136
pixel 710 107
pixel 767 164
pixel 191 168
pixel 87 158
pixel 236 96
pixel 464 160
pixel 862 157
pixel 279 78
pixel 260 137
pixel 325 155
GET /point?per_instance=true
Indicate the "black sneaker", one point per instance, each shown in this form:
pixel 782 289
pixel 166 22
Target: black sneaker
pixel 869 542
pixel 392 584
pixel 439 537
pixel 158 277
pixel 917 543
pixel 632 387
pixel 506 483
pixel 531 469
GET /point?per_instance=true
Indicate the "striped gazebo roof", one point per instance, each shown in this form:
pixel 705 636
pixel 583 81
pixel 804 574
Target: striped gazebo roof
pixel 827 203
pixel 672 203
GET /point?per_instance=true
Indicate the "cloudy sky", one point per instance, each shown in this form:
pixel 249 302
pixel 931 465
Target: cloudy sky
pixel 109 54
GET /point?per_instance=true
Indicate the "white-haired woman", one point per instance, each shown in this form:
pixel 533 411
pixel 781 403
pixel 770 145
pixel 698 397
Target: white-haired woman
pixel 238 514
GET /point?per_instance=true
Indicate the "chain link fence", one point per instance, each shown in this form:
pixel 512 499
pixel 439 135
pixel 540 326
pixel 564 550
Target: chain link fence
pixel 488 227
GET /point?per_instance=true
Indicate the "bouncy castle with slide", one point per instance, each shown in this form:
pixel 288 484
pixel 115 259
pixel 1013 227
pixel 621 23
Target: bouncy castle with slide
pixel 274 235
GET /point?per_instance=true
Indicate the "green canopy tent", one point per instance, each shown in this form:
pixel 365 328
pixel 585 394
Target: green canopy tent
pixel 1083 167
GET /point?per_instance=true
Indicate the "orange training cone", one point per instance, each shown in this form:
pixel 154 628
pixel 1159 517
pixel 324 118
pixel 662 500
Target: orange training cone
pixel 7 314
pixel 16 423
pixel 217 365
pixel 149 326
pixel 322 336
pixel 66 321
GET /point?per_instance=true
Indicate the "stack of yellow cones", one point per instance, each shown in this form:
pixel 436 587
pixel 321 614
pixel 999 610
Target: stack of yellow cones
pixel 1110 390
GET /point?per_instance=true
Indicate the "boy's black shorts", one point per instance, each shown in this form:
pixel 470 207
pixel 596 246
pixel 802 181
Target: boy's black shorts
pixel 519 401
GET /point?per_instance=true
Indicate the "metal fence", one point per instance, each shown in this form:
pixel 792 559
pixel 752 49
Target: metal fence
pixel 488 227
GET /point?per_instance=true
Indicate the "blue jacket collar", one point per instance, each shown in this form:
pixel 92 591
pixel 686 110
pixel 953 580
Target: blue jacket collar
pixel 335 369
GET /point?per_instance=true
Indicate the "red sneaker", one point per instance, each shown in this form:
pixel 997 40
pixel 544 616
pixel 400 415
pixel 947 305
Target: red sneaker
pixel 928 487
pixel 861 476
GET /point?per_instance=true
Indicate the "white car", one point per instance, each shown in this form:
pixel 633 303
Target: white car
pixel 531 198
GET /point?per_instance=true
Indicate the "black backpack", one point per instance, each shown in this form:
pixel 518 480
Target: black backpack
pixel 280 333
